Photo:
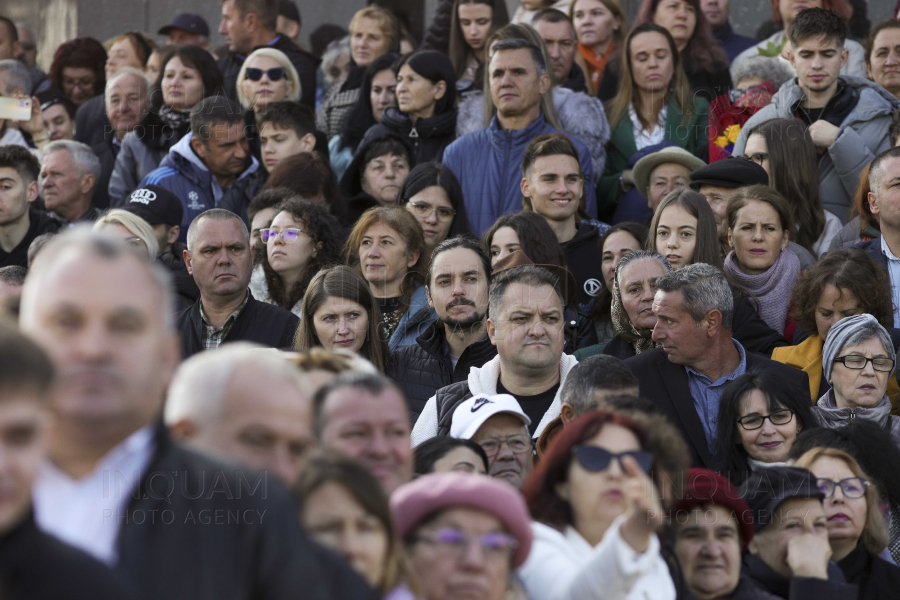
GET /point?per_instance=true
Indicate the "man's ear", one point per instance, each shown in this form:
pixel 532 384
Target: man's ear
pixel 491 330
pixel 791 58
pixel 873 203
pixel 567 413
pixel 428 295
pixel 87 183
pixel 174 232
pixel 844 56
pixel 33 191
pixel 187 262
pixel 713 322
pixel 525 186
pixel 308 142
pixel 198 147
pixel 544 82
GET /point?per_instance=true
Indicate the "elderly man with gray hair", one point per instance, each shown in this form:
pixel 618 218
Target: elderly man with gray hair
pixel 69 177
pixel 698 357
pixel 215 405
pixel 858 360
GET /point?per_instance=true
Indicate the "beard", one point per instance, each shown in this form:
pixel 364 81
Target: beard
pixel 467 325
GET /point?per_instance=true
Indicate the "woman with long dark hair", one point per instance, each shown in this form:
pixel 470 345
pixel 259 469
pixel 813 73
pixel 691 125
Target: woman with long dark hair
pixel 784 148
pixel 188 75
pixel 308 175
pixel 377 92
pixel 472 22
pixel 653 104
pixel 433 195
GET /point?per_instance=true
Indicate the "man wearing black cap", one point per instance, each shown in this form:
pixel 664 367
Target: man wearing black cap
pixel 289 21
pixel 789 555
pixel 186 29
pixel 163 211
pixel 251 24
pixel 719 181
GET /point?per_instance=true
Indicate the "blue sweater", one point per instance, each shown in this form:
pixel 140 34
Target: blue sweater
pixel 488 165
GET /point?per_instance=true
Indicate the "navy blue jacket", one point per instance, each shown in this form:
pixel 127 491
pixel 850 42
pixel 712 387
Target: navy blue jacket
pixel 488 163
pixel 732 43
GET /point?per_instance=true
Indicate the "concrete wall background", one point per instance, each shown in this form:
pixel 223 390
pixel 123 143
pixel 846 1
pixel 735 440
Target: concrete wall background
pixel 55 21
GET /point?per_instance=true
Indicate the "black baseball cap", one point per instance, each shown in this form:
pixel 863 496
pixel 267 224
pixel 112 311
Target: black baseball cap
pixel 732 172
pixel 156 205
pixel 187 22
pixel 767 489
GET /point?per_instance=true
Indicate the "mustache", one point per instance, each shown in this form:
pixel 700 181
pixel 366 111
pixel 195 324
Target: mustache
pixel 458 302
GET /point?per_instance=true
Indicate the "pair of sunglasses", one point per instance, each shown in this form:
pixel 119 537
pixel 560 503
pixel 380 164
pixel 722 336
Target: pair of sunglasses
pixel 256 74
pixel 594 458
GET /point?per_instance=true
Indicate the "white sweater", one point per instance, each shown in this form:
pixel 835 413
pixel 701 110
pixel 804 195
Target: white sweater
pixel 564 566
pixel 483 380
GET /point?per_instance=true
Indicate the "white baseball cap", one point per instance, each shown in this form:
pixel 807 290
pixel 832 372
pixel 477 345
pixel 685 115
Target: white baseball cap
pixel 471 414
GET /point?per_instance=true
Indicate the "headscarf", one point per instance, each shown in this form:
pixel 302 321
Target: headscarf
pixel 846 328
pixel 640 339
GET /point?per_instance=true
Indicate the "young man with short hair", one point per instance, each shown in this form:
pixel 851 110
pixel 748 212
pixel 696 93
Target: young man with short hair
pixel 552 186
pixel 848 117
pixel 285 129
pixel 20 221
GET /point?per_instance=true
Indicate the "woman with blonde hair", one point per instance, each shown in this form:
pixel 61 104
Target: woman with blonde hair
pixel 131 229
pixel 267 76
pixel 857 531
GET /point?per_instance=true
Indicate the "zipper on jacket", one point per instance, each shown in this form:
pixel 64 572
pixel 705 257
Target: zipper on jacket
pixel 852 413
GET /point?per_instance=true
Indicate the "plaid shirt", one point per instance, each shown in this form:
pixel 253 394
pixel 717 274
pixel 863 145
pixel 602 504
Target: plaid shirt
pixel 212 337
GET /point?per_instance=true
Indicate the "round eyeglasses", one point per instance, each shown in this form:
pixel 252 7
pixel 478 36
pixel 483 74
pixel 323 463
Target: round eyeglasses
pixel 423 210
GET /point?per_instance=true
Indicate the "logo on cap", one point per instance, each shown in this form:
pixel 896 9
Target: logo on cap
pixel 144 196
pixel 481 402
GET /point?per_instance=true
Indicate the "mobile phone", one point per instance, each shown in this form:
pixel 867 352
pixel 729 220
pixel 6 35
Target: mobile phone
pixel 15 109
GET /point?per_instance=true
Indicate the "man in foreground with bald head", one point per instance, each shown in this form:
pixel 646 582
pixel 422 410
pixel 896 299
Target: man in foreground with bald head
pixel 173 523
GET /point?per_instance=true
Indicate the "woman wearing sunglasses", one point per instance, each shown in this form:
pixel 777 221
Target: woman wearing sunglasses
pixel 758 424
pixel 596 504
pixel 433 195
pixel 267 76
pixel 857 531
pixel 303 238
pixel 857 360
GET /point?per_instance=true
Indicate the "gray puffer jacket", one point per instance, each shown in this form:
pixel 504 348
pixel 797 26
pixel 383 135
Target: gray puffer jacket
pixel 832 417
pixel 580 115
pixel 863 135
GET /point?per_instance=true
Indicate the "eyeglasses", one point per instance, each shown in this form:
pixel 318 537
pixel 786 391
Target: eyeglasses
pixel 853 361
pixel 289 236
pixel 758 157
pixel 496 546
pixel 852 487
pixel 256 74
pixel 779 417
pixel 594 458
pixel 518 444
pixel 424 210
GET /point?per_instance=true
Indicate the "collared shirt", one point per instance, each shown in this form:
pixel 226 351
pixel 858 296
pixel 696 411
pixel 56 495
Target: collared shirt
pixel 644 138
pixel 707 395
pixel 211 337
pixel 88 512
pixel 894 272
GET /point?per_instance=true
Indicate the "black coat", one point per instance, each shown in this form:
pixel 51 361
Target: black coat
pixel 877 579
pixel 106 151
pixel 421 369
pixel 666 385
pixel 799 588
pixel 199 528
pixel 259 322
pixel 34 565
pixel 583 260
pixel 303 61
pixel 91 122
pixel 706 84
pixel 41 223
pixel 575 81
pixel 186 290
pixel 428 138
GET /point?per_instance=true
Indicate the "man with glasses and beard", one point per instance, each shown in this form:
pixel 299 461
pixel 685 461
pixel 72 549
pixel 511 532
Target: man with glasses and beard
pixel 459 276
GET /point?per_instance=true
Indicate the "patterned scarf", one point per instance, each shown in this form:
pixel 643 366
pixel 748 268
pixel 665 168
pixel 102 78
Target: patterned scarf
pixel 772 288
pixel 176 119
pixel 639 338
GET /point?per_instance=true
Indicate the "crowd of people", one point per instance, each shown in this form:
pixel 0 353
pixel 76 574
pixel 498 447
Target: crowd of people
pixel 554 306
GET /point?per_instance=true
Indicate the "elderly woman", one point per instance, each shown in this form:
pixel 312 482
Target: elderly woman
pixel 857 531
pixel 433 195
pixel 387 248
pixel 378 171
pixel 463 534
pixel 882 56
pixel 844 283
pixel 595 499
pixel 857 360
pixel 634 288
pixel 339 313
pixel 618 241
pixel 710 533
pixel 131 229
pixel 78 69
pixel 758 424
pixel 343 507
pixel 756 79
pixel 443 453
pixel 759 225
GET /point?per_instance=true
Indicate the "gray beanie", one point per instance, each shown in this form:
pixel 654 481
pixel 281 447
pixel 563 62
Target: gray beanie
pixel 845 329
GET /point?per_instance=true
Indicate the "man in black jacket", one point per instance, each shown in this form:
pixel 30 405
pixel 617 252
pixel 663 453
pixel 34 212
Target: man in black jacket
pixel 687 376
pixel 459 276
pixel 555 28
pixel 173 523
pixel 553 186
pixel 251 24
pixel 218 257
pixel 20 222
pixel 32 563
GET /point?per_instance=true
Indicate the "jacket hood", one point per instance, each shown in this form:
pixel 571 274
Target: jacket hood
pixel 874 100
pixel 351 182
pixel 183 149
pixel 438 125
pixel 585 234
pixel 831 416
pixel 483 380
